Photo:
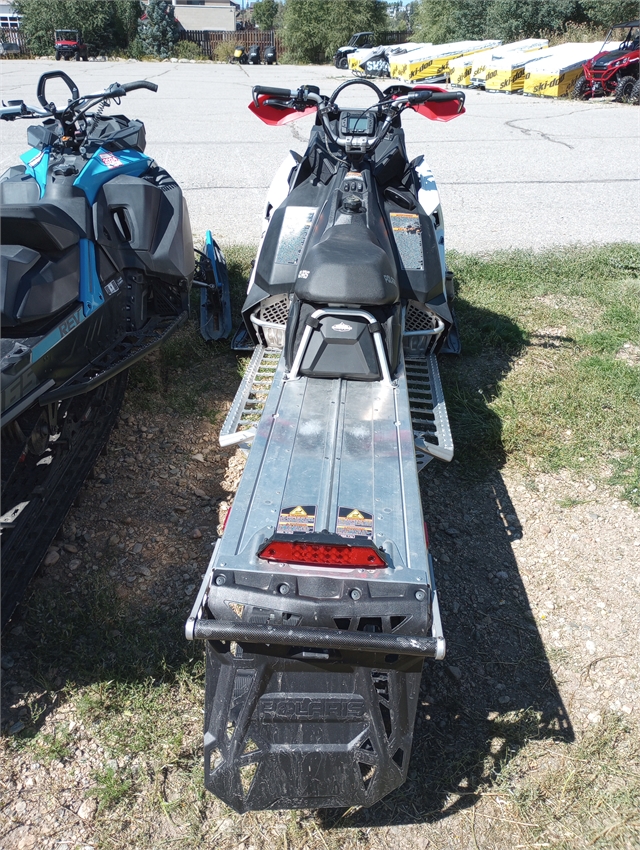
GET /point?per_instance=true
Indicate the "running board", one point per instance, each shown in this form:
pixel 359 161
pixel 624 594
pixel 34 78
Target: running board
pixel 131 347
pixel 431 430
pixel 248 404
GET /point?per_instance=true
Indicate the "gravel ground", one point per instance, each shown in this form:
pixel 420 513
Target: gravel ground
pixel 539 581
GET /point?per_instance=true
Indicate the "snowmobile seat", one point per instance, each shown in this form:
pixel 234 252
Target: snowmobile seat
pixel 347 267
pixel 42 227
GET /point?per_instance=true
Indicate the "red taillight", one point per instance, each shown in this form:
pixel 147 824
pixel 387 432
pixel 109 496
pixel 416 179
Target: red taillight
pixel 322 554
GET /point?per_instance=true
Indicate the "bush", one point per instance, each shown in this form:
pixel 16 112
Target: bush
pixel 187 50
pixel 224 51
pixel 314 29
pixel 107 26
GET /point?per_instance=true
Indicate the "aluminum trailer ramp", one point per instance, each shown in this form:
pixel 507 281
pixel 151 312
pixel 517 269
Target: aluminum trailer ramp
pixel 313 672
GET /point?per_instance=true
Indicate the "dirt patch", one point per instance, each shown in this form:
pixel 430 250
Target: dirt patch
pixel 539 580
pixel 630 354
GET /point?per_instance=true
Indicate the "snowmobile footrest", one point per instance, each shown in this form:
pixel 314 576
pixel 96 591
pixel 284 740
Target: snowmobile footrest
pixel 248 404
pixel 130 348
pixel 431 430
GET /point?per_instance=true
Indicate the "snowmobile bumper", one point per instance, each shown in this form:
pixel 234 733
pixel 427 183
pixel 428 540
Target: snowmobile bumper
pixel 311 716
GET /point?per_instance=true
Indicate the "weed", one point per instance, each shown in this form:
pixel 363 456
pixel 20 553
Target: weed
pixel 110 788
pixel 55 746
pixel 587 798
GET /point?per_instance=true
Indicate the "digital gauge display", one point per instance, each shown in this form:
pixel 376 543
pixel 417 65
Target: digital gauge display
pixel 357 124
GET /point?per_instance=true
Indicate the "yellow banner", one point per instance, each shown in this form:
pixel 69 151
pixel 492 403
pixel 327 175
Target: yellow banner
pixel 460 75
pixel 551 85
pixel 507 80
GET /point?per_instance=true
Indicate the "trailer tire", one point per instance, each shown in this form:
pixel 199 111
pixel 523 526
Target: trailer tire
pixel 634 97
pixel 582 89
pixel 624 90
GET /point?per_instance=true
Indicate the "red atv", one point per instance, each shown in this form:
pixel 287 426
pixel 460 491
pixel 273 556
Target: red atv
pixel 69 45
pixel 614 71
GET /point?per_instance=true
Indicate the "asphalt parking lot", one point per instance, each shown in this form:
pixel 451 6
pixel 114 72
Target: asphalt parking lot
pixel 513 172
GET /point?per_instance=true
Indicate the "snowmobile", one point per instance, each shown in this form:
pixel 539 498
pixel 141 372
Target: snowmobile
pixel 319 603
pixel 240 56
pixel 97 266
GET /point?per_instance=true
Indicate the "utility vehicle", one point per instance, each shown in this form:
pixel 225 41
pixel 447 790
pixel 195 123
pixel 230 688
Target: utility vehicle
pixel 614 71
pixel 69 45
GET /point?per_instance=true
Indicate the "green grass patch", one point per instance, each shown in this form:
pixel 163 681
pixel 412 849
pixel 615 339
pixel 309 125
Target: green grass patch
pixel 587 797
pixel 188 374
pixel 540 380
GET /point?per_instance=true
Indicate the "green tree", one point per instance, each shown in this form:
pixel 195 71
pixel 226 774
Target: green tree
pixel 605 13
pixel 265 13
pixel 314 29
pixel 456 20
pixel 106 25
pixel 513 19
pixel 505 19
pixel 158 33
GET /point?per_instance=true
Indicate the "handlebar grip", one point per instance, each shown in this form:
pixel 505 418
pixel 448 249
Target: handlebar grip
pixel 272 91
pixel 139 84
pixel 443 96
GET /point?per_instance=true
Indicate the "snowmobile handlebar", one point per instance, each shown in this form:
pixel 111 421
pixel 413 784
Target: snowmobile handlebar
pixel 78 104
pixel 390 104
pixel 273 92
pixel 19 109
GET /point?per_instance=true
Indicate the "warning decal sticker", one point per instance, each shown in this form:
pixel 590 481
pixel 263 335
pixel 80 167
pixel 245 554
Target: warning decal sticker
pixel 354 523
pixel 297 518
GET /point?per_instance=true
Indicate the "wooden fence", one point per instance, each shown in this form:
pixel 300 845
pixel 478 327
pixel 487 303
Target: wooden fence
pixel 208 40
pixel 14 36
